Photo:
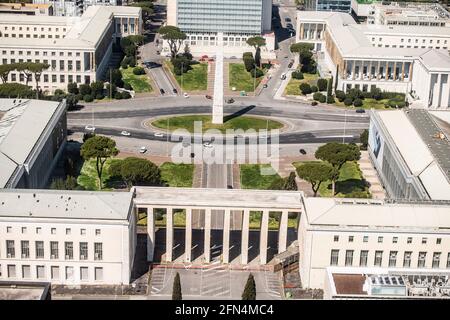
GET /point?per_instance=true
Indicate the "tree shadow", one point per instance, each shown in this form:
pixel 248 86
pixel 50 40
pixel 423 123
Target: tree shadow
pixel 238 113
pixel 351 185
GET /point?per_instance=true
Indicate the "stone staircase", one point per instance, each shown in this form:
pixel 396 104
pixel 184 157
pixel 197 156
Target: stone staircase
pixel 370 174
pixel 113 63
pixel 211 76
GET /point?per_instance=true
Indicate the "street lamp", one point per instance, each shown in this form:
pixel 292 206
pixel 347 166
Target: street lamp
pixel 345 125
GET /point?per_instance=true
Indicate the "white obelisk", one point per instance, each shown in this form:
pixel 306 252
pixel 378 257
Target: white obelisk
pixel 217 117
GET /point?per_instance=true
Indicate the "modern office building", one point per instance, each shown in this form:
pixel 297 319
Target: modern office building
pixel 27 8
pixel 385 283
pixel 77 49
pixel 211 25
pixel 410 150
pixel 75 8
pixel 67 237
pixel 413 60
pixel 32 138
pixel 329 5
pixel 371 234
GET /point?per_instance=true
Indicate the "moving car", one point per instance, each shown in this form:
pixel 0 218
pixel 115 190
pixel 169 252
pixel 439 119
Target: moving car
pixel 360 111
pixel 185 95
pixel 231 100
pixel 143 150
pixel 283 76
pixel 265 85
pixel 175 91
pixel 159 134
pixel 208 97
pixel 125 133
pixel 89 128
pixel 290 65
pixel 302 151
pixel 162 91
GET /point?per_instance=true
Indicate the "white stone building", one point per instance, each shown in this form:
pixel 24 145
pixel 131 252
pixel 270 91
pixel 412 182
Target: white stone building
pixel 210 25
pixel 77 49
pixel 75 8
pixel 407 59
pixel 67 237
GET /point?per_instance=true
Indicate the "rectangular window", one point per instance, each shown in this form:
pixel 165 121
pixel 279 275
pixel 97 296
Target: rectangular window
pixel 409 240
pixel 366 239
pixel 407 259
pixel 334 257
pixel 438 240
pixel 68 248
pixel 25 249
pixel 54 250
pixel 38 230
pixel 436 260
pixel 98 251
pixel 11 271
pixel 98 274
pixel 26 272
pixel 97 232
pixel 82 232
pixel 336 238
pixel 83 250
pixel 61 65
pixel 421 260
pixel 10 250
pixel 448 260
pixel 54 78
pixel 350 238
pixel 54 272
pixel 363 258
pixel 84 273
pixel 349 258
pixel 380 239
pixel 24 229
pixel 392 258
pixel 62 78
pixel 424 240
pixel 378 258
pixel 39 249
pixel 78 65
pixel 394 239
pixel 53 231
pixel 40 272
pixel 68 231
pixel 69 273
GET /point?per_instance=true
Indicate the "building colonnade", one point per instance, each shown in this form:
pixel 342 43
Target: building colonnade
pixel 377 70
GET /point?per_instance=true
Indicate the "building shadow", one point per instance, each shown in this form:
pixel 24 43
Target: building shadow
pixel 235 244
pixel 140 264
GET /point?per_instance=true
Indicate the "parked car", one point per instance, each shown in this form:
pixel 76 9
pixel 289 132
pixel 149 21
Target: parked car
pixel 287 19
pixel 283 76
pixel 89 128
pixel 185 95
pixel 159 134
pixel 302 151
pixel 360 111
pixel 175 91
pixel 231 100
pixel 162 91
pixel 265 85
pixel 143 150
pixel 290 65
pixel 208 97
pixel 125 133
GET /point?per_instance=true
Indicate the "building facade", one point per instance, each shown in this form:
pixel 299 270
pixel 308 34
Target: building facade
pixel 27 8
pixel 412 60
pixel 329 5
pixel 68 238
pixel 33 135
pixel 75 8
pixel 210 25
pixel 76 49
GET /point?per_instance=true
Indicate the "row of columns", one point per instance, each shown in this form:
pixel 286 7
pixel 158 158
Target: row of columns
pixel 311 31
pixel 378 65
pixel 263 243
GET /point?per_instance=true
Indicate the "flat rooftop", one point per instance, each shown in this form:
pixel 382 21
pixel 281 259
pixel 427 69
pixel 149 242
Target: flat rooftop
pixel 23 290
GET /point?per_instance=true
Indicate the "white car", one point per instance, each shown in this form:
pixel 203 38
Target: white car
pixel 159 134
pixel 185 95
pixel 125 133
pixel 89 128
pixel 207 145
pixel 143 150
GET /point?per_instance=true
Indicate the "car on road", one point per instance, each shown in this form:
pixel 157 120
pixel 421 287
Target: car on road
pixel 89 128
pixel 302 151
pixel 208 97
pixel 287 19
pixel 142 149
pixel 192 155
pixel 207 145
pixel 283 76
pixel 360 111
pixel 159 134
pixel 162 91
pixel 175 91
pixel 185 95
pixel 290 65
pixel 265 85
pixel 125 133
pixel 231 100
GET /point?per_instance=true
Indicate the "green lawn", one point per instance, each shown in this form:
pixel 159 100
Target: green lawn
pixel 241 79
pixel 241 122
pixel 293 87
pixel 350 183
pixel 139 83
pixel 368 103
pixel 251 177
pixel 177 175
pixel 88 176
pixel 193 80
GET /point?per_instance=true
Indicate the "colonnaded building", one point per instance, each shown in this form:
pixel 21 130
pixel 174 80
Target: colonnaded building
pixel 410 59
pixel 224 25
pixel 78 49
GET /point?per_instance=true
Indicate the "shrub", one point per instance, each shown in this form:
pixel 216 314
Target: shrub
pixel 113 90
pixel 132 62
pixel 348 101
pixel 322 99
pixel 79 96
pixel 59 92
pixel 297 75
pixel 100 96
pixel 322 84
pixel 118 95
pixel 72 88
pixel 357 102
pixel 124 64
pixel 314 89
pixel 331 99
pixel 257 72
pixel 127 86
pixel 314 103
pixel 355 93
pixel 305 88
pixel 340 95
pixel 85 89
pixel 138 71
pixel 126 95
pixel 317 96
pixel 88 98
pixel 97 87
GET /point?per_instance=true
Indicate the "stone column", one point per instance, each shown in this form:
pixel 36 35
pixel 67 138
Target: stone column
pixel 386 77
pixel 403 70
pixel 245 235
pixel 207 242
pixel 150 234
pixel 353 69
pixel 226 237
pixel 301 31
pixel 410 71
pixel 317 31
pixel 395 71
pixel 378 71
pixel 169 235
pixel 263 237
pixel 188 236
pixel 282 232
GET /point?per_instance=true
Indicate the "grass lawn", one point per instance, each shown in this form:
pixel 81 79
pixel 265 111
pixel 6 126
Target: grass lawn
pixel 241 122
pixel 195 79
pixel 350 183
pixel 368 103
pixel 293 87
pixel 88 176
pixel 251 177
pixel 177 175
pixel 139 83
pixel 241 79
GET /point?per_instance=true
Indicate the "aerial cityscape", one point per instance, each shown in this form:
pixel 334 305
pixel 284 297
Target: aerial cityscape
pixel 224 150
